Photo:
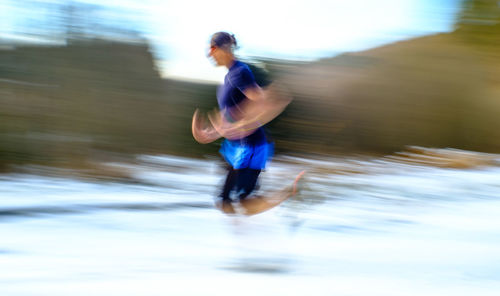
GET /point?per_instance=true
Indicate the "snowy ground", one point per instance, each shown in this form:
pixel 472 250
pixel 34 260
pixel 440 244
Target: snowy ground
pixel 399 229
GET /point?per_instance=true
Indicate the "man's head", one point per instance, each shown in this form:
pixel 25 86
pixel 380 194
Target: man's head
pixel 222 46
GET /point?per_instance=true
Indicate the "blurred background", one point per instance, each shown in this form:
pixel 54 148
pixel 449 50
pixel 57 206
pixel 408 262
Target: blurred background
pixel 395 114
pixel 85 79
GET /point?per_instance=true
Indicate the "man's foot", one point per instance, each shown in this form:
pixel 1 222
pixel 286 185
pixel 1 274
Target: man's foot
pixel 225 205
pixel 296 182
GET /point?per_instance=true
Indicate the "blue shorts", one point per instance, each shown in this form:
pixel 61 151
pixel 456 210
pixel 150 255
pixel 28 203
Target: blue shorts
pixel 242 156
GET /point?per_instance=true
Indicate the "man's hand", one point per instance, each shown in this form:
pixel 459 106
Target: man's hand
pixel 229 130
pixel 202 131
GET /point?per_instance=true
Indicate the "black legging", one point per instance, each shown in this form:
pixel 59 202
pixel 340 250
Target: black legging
pixel 243 181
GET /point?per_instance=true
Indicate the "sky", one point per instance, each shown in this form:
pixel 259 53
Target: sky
pixel 179 30
pixel 303 30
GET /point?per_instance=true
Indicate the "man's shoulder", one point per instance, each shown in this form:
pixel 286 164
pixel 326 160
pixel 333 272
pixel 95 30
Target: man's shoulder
pixel 240 75
pixel 239 67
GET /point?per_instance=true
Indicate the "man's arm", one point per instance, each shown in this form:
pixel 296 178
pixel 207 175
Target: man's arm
pixel 262 107
pixel 255 93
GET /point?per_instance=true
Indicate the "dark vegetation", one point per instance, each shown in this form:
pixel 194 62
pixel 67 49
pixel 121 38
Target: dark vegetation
pixel 96 99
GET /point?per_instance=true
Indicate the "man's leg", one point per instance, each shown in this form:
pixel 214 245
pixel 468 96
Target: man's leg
pixel 246 182
pixel 229 184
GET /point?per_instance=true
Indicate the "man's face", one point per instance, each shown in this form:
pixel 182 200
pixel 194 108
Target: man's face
pixel 215 53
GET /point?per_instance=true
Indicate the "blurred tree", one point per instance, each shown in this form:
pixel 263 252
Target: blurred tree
pixel 479 22
pixel 72 20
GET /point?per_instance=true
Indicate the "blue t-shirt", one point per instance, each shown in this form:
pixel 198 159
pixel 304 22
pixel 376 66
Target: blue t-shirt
pixel 230 95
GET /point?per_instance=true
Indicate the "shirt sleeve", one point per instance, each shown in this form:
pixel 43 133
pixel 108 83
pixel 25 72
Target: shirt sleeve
pixel 243 79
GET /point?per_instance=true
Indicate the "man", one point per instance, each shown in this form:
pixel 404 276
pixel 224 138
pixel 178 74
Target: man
pixel 246 149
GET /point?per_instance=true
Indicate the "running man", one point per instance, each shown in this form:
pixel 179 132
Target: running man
pixel 246 149
pixel 244 109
